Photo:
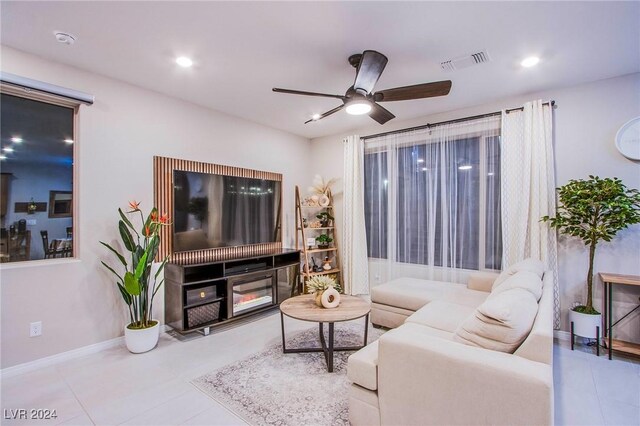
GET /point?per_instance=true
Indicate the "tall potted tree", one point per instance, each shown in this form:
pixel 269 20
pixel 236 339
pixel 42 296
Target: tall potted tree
pixel 134 284
pixel 593 210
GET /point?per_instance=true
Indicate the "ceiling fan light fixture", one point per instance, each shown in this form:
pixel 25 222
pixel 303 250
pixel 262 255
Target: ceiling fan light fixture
pixel 358 107
pixel 529 62
pixel 184 62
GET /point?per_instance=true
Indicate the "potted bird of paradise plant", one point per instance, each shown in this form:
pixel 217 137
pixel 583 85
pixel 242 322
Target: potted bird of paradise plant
pixel 135 284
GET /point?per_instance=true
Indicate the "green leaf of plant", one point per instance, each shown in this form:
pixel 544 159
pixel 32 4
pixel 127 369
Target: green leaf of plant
pixel 126 236
pixel 122 260
pixel 148 223
pixel 126 220
pixel 141 266
pixel 164 262
pixel 131 284
pixel 157 288
pixel 126 296
pixel 112 270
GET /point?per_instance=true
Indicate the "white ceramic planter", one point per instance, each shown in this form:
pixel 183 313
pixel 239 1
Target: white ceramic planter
pixel 143 340
pixel 585 324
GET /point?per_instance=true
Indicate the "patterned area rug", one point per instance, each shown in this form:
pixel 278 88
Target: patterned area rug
pixel 272 388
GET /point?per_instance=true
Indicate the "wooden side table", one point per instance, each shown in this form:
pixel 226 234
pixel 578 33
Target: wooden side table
pixel 608 281
pixel 304 308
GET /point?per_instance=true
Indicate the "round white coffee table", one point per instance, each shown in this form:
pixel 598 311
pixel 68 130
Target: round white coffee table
pixel 304 308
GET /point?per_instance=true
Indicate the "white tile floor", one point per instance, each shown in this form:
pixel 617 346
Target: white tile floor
pixel 591 390
pixel 114 387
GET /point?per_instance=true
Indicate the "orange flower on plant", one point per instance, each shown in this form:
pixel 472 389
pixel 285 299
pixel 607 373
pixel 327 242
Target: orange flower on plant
pixel 154 216
pixel 164 218
pixel 134 206
pixel 147 231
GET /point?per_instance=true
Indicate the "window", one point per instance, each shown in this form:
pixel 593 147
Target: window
pixel 37 140
pixel 435 200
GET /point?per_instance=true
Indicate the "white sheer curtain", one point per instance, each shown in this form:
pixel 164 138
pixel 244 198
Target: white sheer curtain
pixel 432 201
pixel 528 189
pixel 354 241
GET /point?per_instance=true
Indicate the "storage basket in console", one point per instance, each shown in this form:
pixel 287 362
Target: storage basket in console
pixel 203 314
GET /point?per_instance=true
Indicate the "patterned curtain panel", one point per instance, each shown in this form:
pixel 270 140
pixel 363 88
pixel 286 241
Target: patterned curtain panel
pixel 528 189
pixel 354 242
pixel 432 201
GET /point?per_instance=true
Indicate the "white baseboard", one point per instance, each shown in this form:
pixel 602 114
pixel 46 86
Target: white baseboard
pixel 562 335
pixel 65 356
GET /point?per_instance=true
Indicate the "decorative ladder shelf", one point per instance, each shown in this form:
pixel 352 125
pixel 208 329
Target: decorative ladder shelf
pixel 301 239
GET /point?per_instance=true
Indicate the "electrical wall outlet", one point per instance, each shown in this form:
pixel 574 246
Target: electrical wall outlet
pixel 31 222
pixel 35 329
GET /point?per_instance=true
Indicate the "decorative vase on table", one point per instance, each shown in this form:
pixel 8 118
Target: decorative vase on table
pixel 142 332
pixel 318 285
pixel 330 298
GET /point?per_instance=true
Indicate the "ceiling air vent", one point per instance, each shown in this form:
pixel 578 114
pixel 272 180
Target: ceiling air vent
pixel 465 61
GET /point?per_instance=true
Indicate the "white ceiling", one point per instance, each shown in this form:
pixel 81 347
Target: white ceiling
pixel 243 49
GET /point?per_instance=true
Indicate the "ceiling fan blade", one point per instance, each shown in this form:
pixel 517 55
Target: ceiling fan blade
pixel 369 70
pixel 300 92
pixel 380 114
pixel 418 91
pixel 326 114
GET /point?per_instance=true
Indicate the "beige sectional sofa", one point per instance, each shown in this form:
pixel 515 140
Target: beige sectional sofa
pixel 479 353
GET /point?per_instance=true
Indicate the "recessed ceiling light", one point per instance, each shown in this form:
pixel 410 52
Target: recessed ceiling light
pixel 420 160
pixel 530 61
pixel 315 116
pixel 466 167
pixel 68 140
pixel 16 139
pixel 490 174
pixel 7 149
pixel 184 62
pixel 3 157
pixel 358 107
pixel 424 169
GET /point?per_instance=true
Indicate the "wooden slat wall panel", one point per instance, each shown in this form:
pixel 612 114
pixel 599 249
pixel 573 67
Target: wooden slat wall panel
pixel 163 168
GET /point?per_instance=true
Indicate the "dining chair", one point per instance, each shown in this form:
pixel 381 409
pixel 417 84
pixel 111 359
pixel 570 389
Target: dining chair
pixel 50 249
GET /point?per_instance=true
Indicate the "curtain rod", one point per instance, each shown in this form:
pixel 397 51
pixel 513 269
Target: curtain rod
pixel 457 120
pixel 50 89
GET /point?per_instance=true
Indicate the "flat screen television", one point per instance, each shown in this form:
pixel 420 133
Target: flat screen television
pixel 213 211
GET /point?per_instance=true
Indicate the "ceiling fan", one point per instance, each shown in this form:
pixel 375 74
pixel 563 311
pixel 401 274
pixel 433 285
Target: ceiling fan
pixel 360 98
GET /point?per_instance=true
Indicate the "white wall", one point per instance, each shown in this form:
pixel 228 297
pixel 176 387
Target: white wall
pixel 586 120
pixel 35 180
pixel 76 300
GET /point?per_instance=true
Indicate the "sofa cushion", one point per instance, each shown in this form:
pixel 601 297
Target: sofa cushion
pixel 388 316
pixel 481 280
pixel 441 315
pixel 530 264
pixel 362 367
pixel 461 295
pixel 413 328
pixel 410 293
pixel 525 280
pixel 501 323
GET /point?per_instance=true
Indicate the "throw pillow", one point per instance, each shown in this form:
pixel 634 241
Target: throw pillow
pixel 530 264
pixel 501 323
pixel 526 280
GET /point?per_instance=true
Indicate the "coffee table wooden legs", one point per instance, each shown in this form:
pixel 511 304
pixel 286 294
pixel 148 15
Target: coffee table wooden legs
pixel 327 347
